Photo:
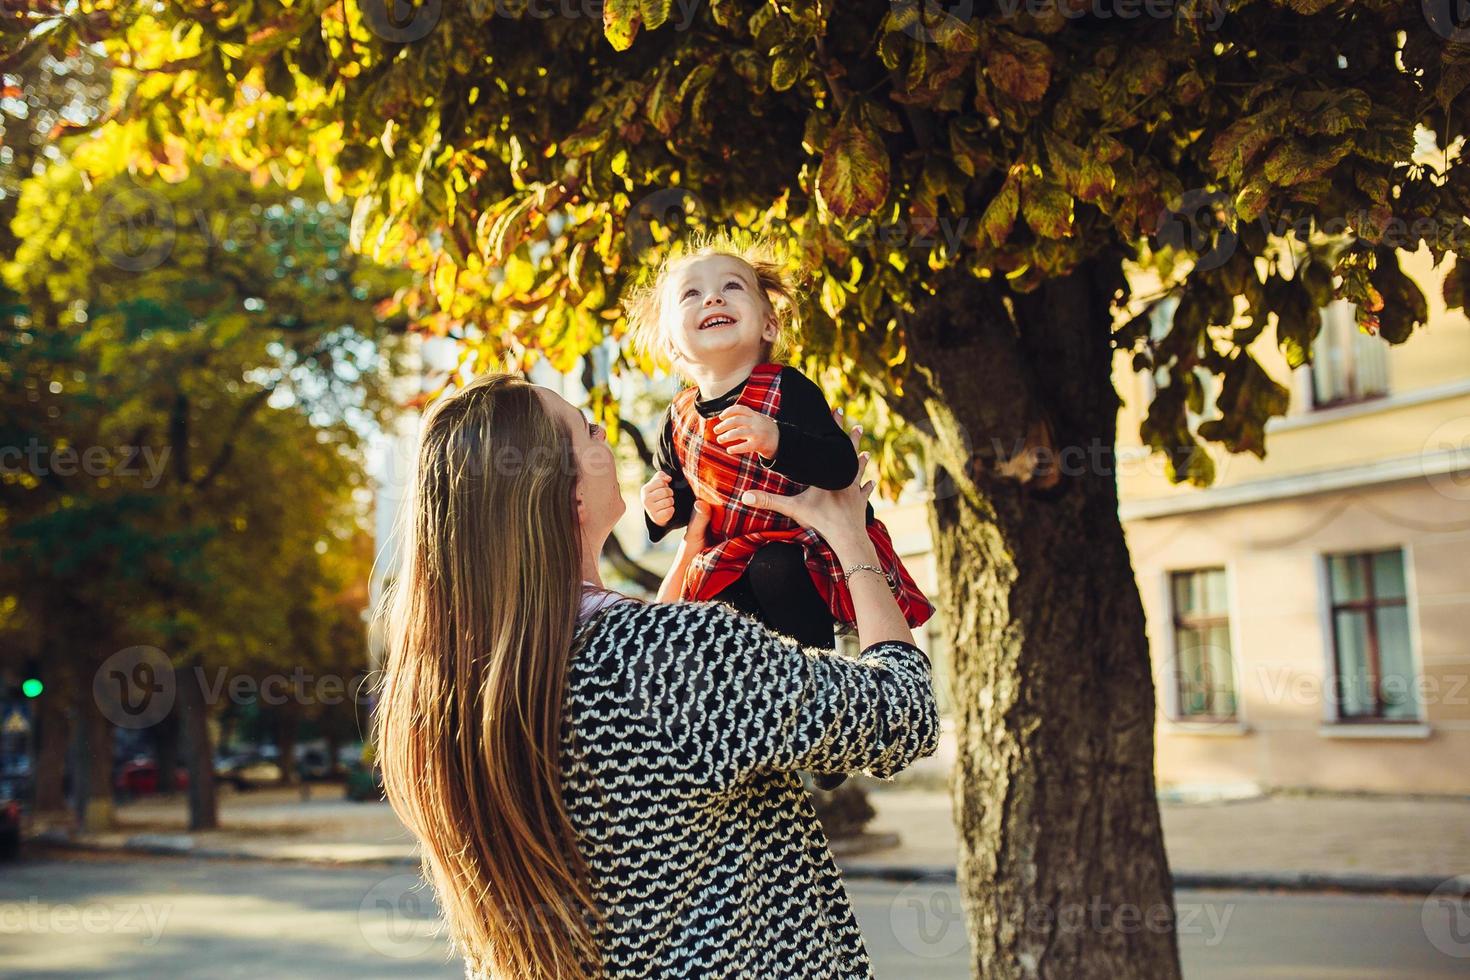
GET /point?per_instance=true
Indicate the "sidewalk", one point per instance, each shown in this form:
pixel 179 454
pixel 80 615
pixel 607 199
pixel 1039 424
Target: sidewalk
pixel 1279 841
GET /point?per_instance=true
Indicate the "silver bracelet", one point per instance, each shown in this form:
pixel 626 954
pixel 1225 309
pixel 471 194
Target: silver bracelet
pixel 866 566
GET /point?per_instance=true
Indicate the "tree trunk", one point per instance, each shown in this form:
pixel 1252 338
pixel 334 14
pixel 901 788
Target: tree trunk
pixel 194 712
pixel 286 724
pixel 1062 864
pixel 53 731
pixel 97 785
pixel 166 749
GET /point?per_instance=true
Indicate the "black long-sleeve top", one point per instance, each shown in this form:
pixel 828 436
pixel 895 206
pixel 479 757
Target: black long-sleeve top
pixel 812 449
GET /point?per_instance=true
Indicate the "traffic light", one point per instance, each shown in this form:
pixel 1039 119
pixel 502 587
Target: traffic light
pixel 30 684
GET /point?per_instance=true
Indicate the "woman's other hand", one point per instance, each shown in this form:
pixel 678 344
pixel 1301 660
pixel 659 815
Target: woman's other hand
pixel 837 515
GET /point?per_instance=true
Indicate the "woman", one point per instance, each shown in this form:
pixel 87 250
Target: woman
pixel 606 787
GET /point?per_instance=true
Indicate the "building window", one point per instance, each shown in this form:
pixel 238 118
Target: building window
pixel 1348 365
pixel 1370 637
pixel 1204 670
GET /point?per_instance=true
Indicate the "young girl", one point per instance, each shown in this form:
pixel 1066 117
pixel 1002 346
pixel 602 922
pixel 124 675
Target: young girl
pixel 749 423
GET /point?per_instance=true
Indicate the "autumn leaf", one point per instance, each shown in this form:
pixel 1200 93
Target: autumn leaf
pixel 620 21
pixel 1018 66
pixel 854 176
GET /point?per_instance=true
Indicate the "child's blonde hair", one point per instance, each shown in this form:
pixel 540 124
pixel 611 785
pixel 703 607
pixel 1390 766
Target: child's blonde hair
pixel 644 305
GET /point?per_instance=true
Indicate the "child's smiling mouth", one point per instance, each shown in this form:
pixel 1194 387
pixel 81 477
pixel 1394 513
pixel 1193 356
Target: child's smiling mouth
pixel 717 320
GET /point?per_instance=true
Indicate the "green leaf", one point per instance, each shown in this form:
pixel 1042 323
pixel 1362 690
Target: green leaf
pixel 1047 209
pixel 1455 292
pixel 620 20
pixel 655 13
pixel 1000 214
pixel 1298 318
pixel 853 179
pixel 787 68
pixel 971 153
pixel 664 108
pixel 1404 305
pixel 1018 66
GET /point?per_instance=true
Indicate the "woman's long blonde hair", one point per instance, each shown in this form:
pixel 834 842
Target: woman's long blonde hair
pixel 643 302
pixel 480 632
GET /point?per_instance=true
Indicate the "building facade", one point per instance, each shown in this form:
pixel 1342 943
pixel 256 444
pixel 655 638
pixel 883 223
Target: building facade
pixel 1309 613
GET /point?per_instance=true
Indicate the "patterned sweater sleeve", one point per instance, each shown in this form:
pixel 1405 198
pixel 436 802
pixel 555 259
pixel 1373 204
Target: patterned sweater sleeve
pixel 734 698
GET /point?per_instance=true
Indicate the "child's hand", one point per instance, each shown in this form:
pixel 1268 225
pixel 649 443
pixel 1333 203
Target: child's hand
pixel 658 499
pixel 742 429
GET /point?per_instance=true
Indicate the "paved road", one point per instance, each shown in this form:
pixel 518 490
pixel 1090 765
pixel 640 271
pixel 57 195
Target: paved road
pixel 80 917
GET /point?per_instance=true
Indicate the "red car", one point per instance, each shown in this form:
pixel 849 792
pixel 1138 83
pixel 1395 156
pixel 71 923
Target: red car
pixel 140 777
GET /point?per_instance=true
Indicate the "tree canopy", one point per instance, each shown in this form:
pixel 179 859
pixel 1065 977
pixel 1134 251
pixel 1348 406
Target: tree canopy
pixel 522 158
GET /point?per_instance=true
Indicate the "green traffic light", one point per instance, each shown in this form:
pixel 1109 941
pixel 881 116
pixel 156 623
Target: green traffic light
pixel 32 687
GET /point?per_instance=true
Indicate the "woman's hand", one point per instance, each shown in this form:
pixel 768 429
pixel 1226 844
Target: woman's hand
pixel 839 516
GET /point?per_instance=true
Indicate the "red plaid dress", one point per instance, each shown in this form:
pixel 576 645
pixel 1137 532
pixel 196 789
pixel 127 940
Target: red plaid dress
pixel 737 531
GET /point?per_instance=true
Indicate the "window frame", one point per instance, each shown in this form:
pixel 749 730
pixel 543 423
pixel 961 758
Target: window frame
pixel 1331 606
pixel 1351 335
pixel 1175 701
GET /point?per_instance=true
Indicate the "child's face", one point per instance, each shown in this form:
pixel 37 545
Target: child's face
pixel 714 312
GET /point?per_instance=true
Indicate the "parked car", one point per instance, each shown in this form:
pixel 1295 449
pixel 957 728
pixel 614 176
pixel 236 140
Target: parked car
pixel 248 770
pixel 139 777
pixel 9 822
pixel 313 764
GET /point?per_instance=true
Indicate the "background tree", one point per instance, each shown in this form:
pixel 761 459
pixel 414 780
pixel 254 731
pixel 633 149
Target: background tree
pixel 221 350
pixel 965 188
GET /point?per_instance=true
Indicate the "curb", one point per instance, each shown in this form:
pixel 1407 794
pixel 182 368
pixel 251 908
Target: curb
pixel 181 845
pixel 1291 881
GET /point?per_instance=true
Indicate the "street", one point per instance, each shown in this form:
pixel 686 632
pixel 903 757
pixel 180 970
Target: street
pixel 169 917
